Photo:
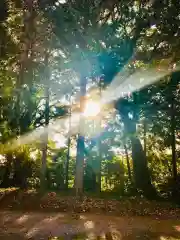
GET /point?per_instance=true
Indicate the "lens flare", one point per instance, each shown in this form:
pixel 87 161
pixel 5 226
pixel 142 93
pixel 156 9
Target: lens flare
pixel 122 85
pixel 92 109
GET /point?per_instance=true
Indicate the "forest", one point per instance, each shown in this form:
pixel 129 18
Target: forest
pixel 89 98
pixel 90 107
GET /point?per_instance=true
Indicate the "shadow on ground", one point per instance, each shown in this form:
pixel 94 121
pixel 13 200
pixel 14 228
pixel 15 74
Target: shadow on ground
pixel 15 225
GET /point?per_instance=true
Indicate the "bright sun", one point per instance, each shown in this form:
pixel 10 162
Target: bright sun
pixel 91 109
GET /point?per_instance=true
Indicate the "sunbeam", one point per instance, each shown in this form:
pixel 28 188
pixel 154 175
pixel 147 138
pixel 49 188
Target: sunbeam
pixel 120 86
pixel 140 79
pixel 58 125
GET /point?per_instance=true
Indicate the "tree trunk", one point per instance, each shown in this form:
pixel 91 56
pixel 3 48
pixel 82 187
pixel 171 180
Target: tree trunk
pixel 45 135
pixel 68 153
pixel 80 142
pixel 99 147
pixel 140 166
pixel 6 181
pixel 99 167
pixel 173 126
pixel 144 136
pixel 24 63
pixel 173 140
pixel 43 162
pixel 128 163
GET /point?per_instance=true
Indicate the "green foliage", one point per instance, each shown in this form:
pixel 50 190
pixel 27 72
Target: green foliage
pixel 90 39
pixel 17 168
pixel 56 176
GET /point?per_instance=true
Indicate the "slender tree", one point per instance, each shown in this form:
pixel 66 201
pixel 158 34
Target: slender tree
pixel 144 136
pixel 172 112
pixel 99 170
pixel 127 162
pixel 69 148
pixel 45 134
pixel 80 141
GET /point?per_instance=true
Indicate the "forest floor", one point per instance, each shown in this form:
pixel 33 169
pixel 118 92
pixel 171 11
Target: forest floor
pixel 27 215
pixel 35 225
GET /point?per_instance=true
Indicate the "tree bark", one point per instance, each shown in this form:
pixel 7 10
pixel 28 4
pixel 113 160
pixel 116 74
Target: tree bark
pixel 6 181
pixel 173 127
pixel 80 141
pixel 140 166
pixel 173 142
pixel 45 135
pixel 144 136
pixel 26 45
pixel 128 163
pixel 99 146
pixel 68 153
pixel 99 166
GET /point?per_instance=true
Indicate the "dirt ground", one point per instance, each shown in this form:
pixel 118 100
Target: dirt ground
pixel 32 225
pixel 27 215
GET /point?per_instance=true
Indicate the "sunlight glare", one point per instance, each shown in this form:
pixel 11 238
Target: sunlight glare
pixel 92 109
pixel 123 84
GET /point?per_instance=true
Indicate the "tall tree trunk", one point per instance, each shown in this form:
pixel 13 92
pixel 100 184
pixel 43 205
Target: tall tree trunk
pixel 80 141
pixel 68 151
pixel 173 141
pixel 128 163
pixel 24 63
pixel 67 163
pixel 6 181
pixel 99 145
pixel 99 165
pixel 45 134
pixel 144 136
pixel 173 127
pixel 140 167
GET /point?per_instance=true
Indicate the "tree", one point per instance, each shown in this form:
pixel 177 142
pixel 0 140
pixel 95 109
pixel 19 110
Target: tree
pixel 87 41
pixel 68 150
pixel 173 84
pixel 47 112
pixel 108 58
pixel 108 61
